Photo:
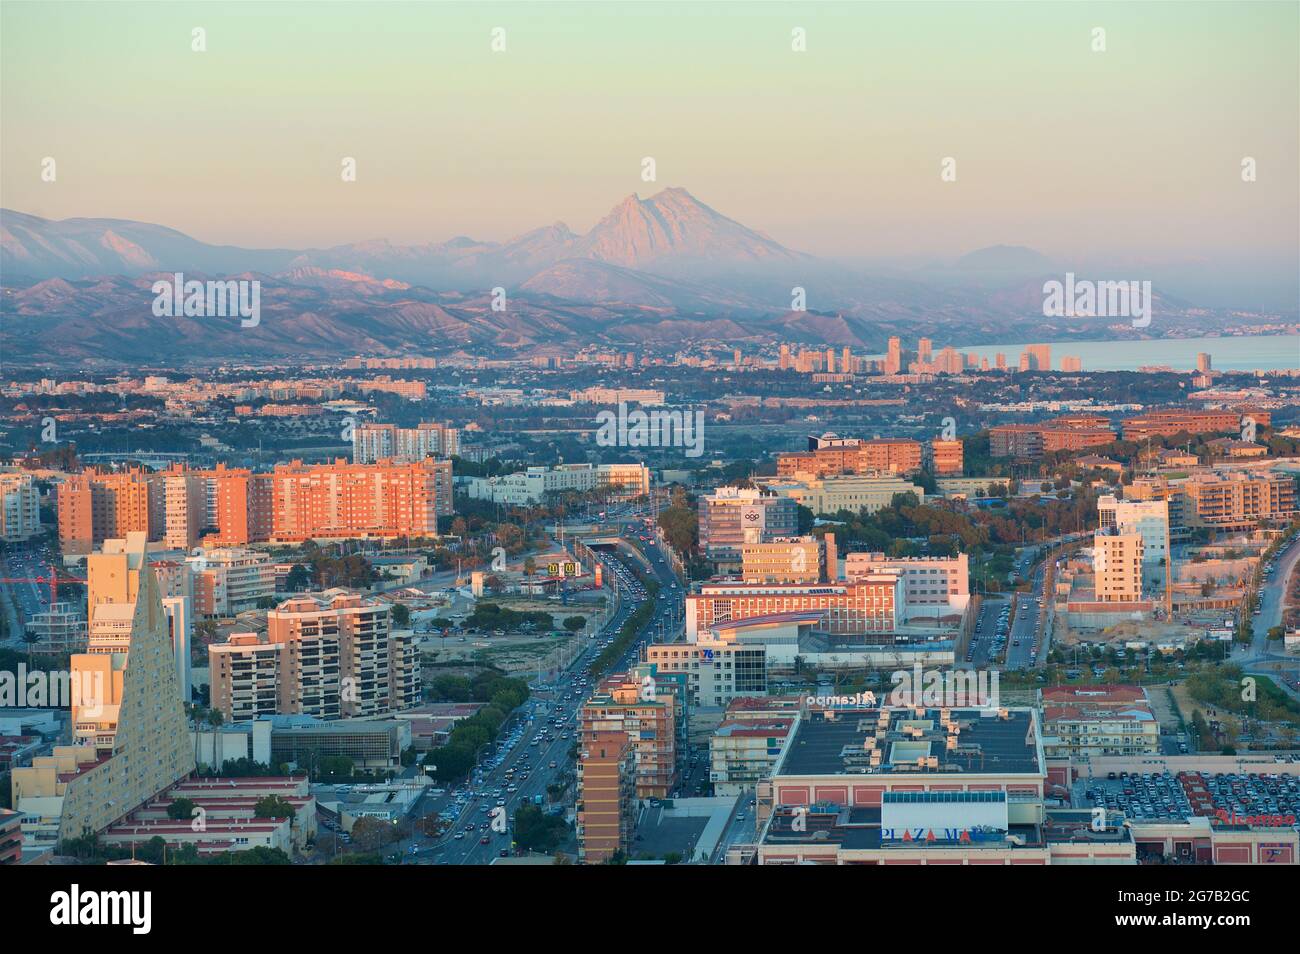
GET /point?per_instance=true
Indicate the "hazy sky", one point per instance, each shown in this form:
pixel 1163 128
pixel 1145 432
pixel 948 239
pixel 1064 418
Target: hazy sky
pixel 1131 154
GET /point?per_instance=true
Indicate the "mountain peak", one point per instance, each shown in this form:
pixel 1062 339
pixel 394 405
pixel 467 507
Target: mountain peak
pixel 673 227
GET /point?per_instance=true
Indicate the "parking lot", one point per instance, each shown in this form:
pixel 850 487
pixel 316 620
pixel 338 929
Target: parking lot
pixel 1163 795
pixel 1140 797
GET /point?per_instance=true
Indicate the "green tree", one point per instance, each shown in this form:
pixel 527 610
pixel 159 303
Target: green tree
pixel 273 806
pixel 182 809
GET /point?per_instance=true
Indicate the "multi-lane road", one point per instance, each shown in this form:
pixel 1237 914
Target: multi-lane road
pixel 25 599
pixel 540 739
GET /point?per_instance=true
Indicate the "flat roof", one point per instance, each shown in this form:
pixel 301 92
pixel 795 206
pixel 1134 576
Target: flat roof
pixel 988 745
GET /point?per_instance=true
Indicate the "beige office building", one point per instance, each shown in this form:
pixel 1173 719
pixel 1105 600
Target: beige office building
pixel 829 495
pixel 783 560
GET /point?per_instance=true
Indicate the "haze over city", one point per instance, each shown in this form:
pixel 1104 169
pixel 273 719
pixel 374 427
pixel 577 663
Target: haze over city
pixel 834 151
pixel 450 436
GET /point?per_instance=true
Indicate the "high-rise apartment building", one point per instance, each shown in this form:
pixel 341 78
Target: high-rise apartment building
pixel 606 795
pixel 95 507
pixel 331 655
pixel 834 455
pixel 946 458
pixel 184 509
pixel 1036 357
pixel 295 502
pixel 1150 520
pixel 20 507
pixel 230 580
pixel 1117 565
pixel 894 356
pixel 644 711
pixel 372 443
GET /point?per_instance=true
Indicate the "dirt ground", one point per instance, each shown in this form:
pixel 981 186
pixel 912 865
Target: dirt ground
pixel 515 652
pixel 1146 630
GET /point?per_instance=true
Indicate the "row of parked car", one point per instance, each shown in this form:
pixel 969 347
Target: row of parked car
pixel 1249 794
pixel 1149 795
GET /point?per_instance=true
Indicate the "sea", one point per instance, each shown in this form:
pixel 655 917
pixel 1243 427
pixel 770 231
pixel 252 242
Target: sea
pixel 1230 353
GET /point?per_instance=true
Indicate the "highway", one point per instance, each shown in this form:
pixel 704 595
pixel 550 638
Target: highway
pixel 540 739
pixel 25 599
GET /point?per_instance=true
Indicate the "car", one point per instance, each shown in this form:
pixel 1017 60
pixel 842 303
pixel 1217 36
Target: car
pixel 485 840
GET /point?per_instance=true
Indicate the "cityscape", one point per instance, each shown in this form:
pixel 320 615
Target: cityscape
pixel 334 535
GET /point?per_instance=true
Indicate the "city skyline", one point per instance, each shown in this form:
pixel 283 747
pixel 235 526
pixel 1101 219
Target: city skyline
pixel 653 435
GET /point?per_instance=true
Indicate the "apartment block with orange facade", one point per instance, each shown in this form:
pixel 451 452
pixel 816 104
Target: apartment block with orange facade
pixel 946 458
pixel 295 502
pixel 1031 441
pixel 97 507
pixel 1232 501
pixel 1237 501
pixel 892 455
pixel 1169 423
pixel 881 455
pixel 873 604
pixel 626 705
pixel 606 795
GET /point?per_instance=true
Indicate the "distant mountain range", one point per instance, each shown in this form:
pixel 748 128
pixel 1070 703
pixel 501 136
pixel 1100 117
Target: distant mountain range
pixel 666 270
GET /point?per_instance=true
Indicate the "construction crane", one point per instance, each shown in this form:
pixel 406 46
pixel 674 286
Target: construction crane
pixel 53 579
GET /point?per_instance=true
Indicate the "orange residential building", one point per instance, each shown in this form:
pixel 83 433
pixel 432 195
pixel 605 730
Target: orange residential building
pixel 236 506
pixel 606 795
pixel 947 458
pixel 94 507
pixel 881 455
pixel 1169 423
pixel 871 604
pixel 626 705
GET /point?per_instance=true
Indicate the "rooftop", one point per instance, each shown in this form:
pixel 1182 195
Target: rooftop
pixel 987 743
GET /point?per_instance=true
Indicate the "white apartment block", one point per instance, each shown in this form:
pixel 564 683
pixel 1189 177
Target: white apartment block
pixel 20 507
pixel 330 655
pixel 230 580
pixel 1147 518
pixel 532 485
pixel 375 442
